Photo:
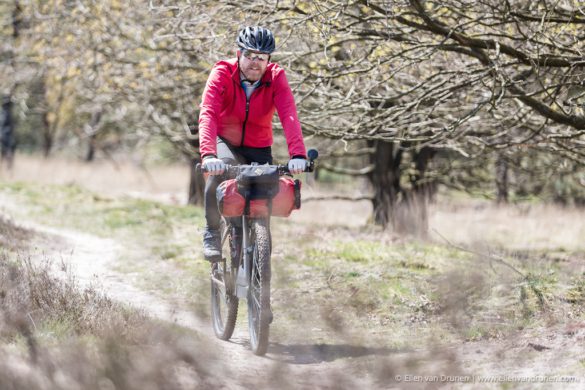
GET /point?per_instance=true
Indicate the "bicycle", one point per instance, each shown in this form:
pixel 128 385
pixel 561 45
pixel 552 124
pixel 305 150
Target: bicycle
pixel 246 273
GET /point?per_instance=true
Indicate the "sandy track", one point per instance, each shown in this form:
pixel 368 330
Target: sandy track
pixel 91 261
pixel 553 349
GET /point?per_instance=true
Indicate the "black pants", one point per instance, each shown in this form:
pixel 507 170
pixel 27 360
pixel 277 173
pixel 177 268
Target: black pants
pixel 230 155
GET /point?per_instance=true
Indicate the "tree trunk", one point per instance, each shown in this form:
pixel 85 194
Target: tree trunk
pixel 197 182
pixel 7 138
pixel 90 155
pixel 385 178
pixel 501 179
pixel 412 217
pixel 47 136
pixel 92 131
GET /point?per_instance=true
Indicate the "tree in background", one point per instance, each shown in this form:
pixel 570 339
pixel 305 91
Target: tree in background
pixel 10 31
pixel 418 79
pixel 409 94
pixel 7 141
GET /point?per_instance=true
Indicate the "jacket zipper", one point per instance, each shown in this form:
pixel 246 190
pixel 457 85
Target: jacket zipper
pixel 247 112
pixel 245 120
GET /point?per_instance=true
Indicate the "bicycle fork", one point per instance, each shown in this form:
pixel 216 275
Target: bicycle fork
pixel 245 268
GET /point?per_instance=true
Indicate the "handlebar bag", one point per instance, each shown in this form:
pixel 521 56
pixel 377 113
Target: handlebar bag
pixel 258 181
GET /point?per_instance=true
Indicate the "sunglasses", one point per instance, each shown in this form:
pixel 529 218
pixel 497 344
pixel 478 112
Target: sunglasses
pixel 256 56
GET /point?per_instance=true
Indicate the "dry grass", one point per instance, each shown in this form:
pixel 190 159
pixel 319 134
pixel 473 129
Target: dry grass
pixel 167 183
pixel 345 289
pixel 53 335
pixel 456 287
pixel 514 227
pixel 12 237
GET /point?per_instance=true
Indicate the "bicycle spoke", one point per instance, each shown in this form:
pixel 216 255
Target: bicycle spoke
pixel 218 278
pixel 256 301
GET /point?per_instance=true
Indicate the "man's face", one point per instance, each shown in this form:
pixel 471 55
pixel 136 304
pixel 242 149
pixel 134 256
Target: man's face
pixel 253 64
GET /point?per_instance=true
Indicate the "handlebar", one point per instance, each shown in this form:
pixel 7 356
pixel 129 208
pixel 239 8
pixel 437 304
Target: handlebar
pixel 233 170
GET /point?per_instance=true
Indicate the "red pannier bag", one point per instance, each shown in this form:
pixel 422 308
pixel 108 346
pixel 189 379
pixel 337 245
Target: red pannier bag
pixel 287 200
pixel 231 203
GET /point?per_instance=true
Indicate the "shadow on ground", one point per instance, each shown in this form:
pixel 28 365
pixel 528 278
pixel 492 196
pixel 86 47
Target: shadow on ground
pixel 318 353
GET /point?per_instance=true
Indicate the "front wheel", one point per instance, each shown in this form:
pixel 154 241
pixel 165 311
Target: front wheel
pixel 224 303
pixel 259 312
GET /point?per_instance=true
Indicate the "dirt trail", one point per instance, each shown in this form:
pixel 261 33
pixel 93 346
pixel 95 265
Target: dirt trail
pixel 91 260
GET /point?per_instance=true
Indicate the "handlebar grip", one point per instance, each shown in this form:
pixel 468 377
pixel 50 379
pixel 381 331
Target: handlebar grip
pixel 200 168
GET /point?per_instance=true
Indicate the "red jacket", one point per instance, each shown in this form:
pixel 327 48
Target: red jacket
pixel 223 110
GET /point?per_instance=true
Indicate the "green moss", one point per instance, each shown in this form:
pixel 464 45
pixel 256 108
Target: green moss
pixel 575 294
pixel 362 251
pixel 55 330
pixel 74 207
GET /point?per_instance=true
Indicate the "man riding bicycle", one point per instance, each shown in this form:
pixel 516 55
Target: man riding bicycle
pixel 235 121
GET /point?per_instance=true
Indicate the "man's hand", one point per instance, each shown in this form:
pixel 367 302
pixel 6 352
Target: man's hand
pixel 297 165
pixel 213 165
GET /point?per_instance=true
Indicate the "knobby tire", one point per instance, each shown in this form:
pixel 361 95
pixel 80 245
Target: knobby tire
pixel 224 303
pixel 259 315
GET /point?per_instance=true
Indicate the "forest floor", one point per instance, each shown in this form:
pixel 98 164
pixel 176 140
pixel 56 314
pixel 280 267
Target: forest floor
pixel 103 269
